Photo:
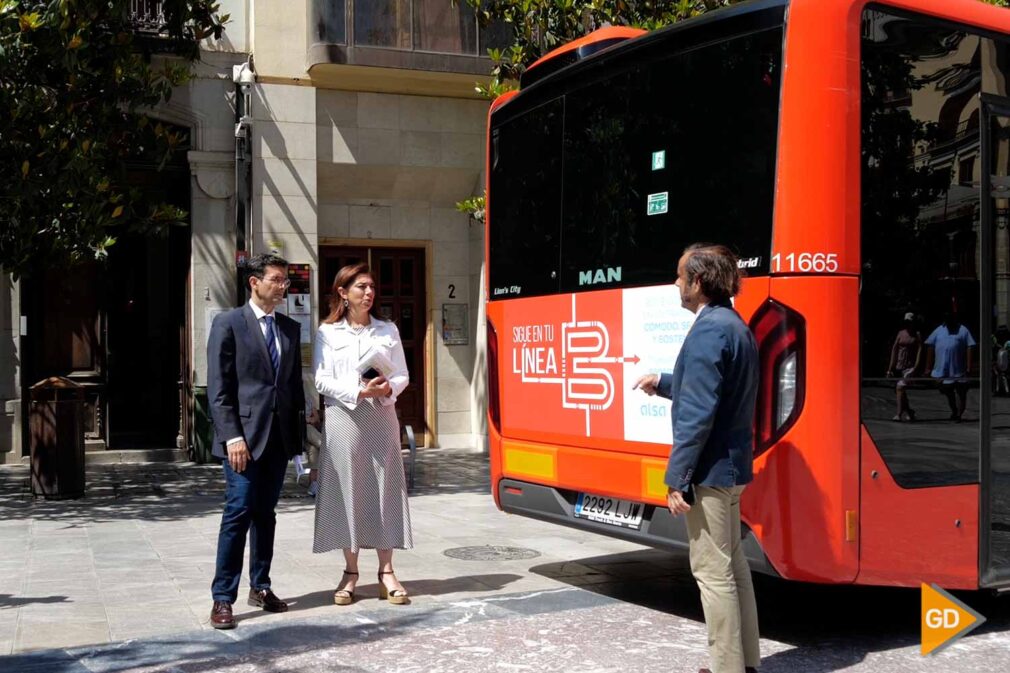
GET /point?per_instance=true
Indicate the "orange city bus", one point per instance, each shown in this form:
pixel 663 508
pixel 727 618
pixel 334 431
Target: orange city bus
pixel 856 156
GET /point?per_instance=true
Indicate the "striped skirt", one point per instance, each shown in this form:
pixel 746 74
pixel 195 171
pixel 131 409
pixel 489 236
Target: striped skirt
pixel 362 496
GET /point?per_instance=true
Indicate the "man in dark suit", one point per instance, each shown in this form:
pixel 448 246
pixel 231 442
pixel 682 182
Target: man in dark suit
pixel 714 391
pixel 254 385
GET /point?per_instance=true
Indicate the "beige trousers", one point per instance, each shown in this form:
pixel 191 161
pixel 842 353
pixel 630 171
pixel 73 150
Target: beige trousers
pixel 723 576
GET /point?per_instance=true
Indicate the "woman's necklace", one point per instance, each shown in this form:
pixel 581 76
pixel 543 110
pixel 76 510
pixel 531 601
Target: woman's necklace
pixel 358 329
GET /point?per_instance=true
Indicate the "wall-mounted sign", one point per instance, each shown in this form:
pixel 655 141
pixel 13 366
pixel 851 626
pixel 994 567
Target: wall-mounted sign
pixel 299 304
pixel 455 326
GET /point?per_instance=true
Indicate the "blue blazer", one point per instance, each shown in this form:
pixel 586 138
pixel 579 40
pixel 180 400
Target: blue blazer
pixel 242 390
pixel 714 389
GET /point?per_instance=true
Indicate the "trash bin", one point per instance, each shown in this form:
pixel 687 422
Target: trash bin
pixel 203 428
pixel 56 430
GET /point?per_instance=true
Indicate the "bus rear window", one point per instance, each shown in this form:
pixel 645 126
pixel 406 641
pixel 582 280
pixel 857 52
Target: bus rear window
pixel 675 151
pixel 524 205
pixel 605 185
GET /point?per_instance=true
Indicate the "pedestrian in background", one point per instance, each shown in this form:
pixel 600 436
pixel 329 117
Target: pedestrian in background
pixel 361 501
pixel 254 386
pixel 714 388
pixel 906 358
pixel 951 347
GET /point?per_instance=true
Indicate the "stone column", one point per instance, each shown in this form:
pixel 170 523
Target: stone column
pixel 10 364
pixel 212 218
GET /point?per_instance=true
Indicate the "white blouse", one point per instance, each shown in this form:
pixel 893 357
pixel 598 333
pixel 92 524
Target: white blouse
pixel 336 354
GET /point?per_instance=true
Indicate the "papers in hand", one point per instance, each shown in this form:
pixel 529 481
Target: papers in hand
pixel 377 360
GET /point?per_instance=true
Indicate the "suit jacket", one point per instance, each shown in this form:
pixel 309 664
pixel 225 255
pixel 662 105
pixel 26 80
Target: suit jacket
pixel 242 390
pixel 714 389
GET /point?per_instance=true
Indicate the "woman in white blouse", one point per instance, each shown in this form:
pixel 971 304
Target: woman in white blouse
pixel 362 496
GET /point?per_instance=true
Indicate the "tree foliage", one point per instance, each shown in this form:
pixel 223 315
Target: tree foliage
pixel 76 79
pixel 538 26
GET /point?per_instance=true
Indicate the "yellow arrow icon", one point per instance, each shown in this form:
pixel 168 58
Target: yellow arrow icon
pixel 944 619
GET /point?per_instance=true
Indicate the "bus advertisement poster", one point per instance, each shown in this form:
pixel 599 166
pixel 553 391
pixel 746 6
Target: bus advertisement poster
pixel 581 362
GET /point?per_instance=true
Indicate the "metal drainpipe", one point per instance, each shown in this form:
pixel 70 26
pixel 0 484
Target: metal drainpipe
pixel 244 78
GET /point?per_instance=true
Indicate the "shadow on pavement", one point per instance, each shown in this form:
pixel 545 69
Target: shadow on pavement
pixel 416 587
pixel 830 627
pixel 11 601
pixel 250 645
pixel 178 491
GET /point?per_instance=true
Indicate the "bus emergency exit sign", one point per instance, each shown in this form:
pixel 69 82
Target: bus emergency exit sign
pixel 658 203
pixel 659 160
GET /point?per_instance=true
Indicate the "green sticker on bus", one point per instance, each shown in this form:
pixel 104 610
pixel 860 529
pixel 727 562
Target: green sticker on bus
pixel 658 203
pixel 659 160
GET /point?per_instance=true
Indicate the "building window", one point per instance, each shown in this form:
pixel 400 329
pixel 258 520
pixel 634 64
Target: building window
pixel 440 26
pixel 437 26
pixel 331 21
pixel 382 23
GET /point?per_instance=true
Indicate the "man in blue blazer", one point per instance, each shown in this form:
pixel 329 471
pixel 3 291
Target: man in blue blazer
pixel 254 385
pixel 714 391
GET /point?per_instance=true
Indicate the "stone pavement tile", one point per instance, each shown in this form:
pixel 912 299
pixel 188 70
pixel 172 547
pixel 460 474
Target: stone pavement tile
pixel 70 570
pixel 8 627
pixel 150 621
pixel 156 594
pixel 11 579
pixel 62 612
pixel 32 635
pixel 14 546
pixel 56 532
pixel 15 551
pixel 80 588
pixel 135 554
pixel 186 551
pixel 136 578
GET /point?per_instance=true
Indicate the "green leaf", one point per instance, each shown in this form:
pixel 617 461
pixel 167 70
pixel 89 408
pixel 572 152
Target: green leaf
pixel 67 128
pixel 29 21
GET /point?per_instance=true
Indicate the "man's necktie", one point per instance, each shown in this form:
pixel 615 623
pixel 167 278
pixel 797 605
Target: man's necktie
pixel 275 358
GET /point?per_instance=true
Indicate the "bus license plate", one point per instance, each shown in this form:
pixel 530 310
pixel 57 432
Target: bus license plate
pixel 603 509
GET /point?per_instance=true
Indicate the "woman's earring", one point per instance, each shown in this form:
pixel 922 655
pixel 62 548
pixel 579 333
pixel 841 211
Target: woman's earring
pixel 346 304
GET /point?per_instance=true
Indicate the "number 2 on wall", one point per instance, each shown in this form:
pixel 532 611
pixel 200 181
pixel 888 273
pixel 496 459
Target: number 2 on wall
pixel 452 291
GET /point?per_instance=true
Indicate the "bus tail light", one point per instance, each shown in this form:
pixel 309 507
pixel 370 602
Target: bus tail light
pixel 781 339
pixel 493 404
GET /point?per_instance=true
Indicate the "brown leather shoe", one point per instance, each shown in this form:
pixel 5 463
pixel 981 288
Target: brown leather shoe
pixel 264 598
pixel 221 616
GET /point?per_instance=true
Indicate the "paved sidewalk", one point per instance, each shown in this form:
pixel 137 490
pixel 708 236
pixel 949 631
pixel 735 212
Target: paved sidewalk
pixel 119 582
pixel 135 558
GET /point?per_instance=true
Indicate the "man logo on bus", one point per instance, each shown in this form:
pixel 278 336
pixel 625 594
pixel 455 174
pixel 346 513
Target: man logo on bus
pixel 597 276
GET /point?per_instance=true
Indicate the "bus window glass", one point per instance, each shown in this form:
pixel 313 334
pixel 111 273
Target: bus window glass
pixel 660 156
pixel 524 208
pixel 920 296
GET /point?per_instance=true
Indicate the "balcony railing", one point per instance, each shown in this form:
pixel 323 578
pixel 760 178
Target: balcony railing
pixel 148 16
pixel 433 26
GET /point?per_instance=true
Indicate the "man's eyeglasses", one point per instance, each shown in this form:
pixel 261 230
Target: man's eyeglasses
pixel 278 280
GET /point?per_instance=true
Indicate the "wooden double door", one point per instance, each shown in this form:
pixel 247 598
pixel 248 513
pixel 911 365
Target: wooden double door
pixel 119 329
pixel 401 297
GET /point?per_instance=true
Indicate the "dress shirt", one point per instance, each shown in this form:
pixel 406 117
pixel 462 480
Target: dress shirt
pixel 260 315
pixel 338 349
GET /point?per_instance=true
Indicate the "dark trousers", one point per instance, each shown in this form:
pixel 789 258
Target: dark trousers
pixel 250 499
